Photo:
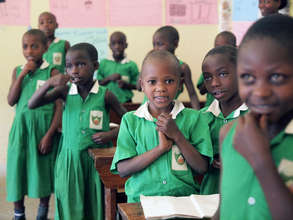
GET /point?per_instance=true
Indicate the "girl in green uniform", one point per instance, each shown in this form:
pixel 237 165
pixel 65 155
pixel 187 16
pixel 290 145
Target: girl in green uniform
pixel 161 145
pixel 57 48
pixel 257 148
pixel 85 125
pixel 219 72
pixel 33 141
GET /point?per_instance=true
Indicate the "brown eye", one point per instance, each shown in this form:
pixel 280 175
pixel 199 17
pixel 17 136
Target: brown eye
pixel 247 78
pixel 277 78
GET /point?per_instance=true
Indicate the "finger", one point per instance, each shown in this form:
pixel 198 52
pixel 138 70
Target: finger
pixel 263 123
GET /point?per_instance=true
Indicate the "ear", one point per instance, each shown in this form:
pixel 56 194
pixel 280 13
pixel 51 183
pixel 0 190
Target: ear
pixel 180 83
pixel 176 42
pixel 126 45
pixel 96 65
pixel 140 83
pixel 57 25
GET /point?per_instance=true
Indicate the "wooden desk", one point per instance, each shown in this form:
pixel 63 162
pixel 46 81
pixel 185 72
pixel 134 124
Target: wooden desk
pixel 103 158
pixel 131 211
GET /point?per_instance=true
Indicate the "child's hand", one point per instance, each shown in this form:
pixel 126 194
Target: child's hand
pixel 29 67
pixel 216 164
pixel 167 125
pixel 121 83
pixel 114 77
pixel 59 80
pixel 251 139
pixel 101 137
pixel 45 144
pixel 165 144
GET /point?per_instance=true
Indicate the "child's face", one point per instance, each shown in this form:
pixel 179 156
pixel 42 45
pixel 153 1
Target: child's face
pixel 117 45
pixel 220 77
pixel 33 48
pixel 161 42
pixel 268 7
pixel 80 67
pixel 47 24
pixel 265 77
pixel 160 82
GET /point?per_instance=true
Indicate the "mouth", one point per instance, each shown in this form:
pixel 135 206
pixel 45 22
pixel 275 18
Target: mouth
pixel 75 80
pixel 161 99
pixel 30 58
pixel 262 108
pixel 218 94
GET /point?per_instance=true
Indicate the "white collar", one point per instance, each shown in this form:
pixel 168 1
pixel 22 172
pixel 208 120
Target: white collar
pixel 143 111
pixel 289 128
pixel 56 40
pixel 74 91
pixel 123 61
pixel 44 65
pixel 215 109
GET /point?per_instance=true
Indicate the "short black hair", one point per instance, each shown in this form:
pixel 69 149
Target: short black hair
pixel 229 51
pixel 170 32
pixel 283 4
pixel 277 27
pixel 162 55
pixel 88 48
pixel 121 34
pixel 40 34
pixel 48 13
pixel 229 36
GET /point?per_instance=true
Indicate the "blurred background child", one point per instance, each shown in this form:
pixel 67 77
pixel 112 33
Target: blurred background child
pixel 118 74
pixel 269 7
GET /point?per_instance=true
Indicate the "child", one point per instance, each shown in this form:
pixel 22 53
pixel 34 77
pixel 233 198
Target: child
pixel 167 38
pixel 119 74
pixel 219 72
pixel 222 38
pixel 56 47
pixel 33 141
pixel 269 7
pixel 85 125
pixel 161 145
pixel 257 152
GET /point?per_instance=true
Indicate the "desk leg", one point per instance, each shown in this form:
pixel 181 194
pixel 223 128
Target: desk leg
pixel 110 203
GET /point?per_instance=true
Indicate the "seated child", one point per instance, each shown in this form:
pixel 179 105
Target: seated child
pixel 119 74
pixel 219 72
pixel 222 38
pixel 256 149
pixel 85 124
pixel 161 145
pixel 33 138
pixel 167 38
pixel 56 47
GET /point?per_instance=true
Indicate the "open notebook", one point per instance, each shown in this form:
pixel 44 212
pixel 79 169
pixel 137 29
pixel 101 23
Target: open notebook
pixel 193 206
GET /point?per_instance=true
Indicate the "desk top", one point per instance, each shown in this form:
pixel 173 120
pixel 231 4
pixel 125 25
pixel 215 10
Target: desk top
pixel 131 211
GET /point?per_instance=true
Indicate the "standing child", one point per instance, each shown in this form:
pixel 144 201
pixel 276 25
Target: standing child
pixel 161 145
pixel 167 38
pixel 119 74
pixel 270 7
pixel 220 79
pixel 85 125
pixel 222 38
pixel 257 152
pixel 56 47
pixel 33 141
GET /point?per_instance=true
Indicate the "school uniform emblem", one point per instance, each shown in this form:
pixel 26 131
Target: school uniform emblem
pixel 57 58
pixel 178 161
pixel 40 83
pixel 286 171
pixel 96 119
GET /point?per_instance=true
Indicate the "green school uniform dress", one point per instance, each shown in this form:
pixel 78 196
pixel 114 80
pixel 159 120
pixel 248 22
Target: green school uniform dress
pixel 242 196
pixel 210 183
pixel 128 71
pixel 77 183
pixel 209 97
pixel 169 175
pixel 56 54
pixel 28 172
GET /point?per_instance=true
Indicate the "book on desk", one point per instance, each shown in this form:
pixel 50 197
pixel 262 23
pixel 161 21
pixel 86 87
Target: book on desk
pixel 193 206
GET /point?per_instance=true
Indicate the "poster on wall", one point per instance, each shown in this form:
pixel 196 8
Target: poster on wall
pixel 79 13
pixel 15 12
pixel 96 36
pixel 135 12
pixel 192 11
pixel 225 16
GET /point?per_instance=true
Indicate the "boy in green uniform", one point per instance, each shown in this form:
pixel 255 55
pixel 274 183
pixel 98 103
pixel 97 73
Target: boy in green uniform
pixel 222 38
pixel 119 74
pixel 161 145
pixel 85 124
pixel 33 138
pixel 220 79
pixel 56 47
pixel 167 38
pixel 256 150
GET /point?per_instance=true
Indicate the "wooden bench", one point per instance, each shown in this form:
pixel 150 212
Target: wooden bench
pixel 131 211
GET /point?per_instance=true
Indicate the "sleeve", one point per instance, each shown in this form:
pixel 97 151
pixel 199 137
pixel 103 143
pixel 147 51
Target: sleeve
pixel 134 73
pixel 200 135
pixel 100 72
pixel 126 144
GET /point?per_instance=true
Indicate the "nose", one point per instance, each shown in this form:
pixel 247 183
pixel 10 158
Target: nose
pixel 160 87
pixel 215 82
pixel 263 91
